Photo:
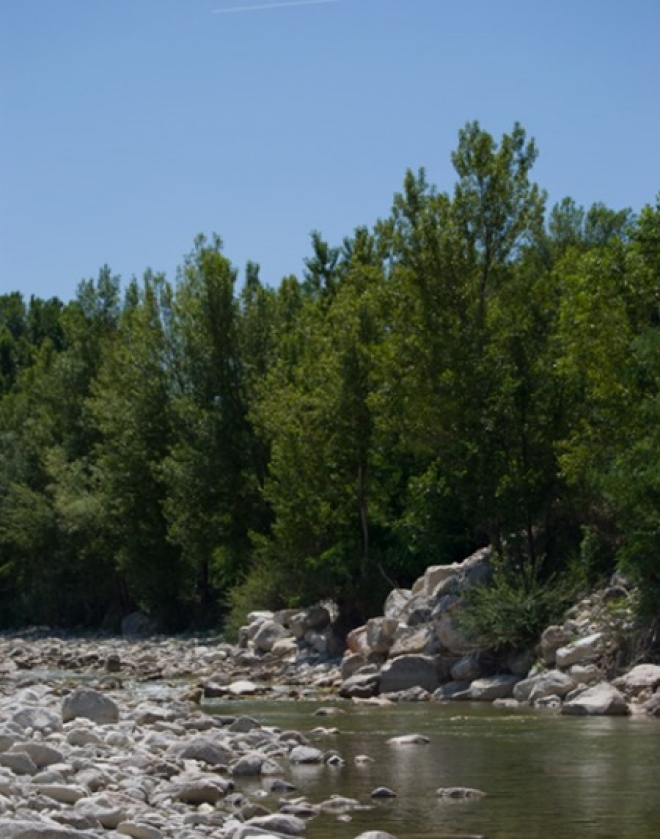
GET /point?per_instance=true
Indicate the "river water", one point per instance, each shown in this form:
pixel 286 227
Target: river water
pixel 546 776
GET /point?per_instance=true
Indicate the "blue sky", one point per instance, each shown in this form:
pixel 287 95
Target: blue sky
pixel 130 126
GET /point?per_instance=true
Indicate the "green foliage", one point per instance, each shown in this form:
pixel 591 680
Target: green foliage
pixel 510 612
pixel 462 373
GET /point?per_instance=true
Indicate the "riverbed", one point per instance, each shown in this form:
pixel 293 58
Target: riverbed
pixel 546 776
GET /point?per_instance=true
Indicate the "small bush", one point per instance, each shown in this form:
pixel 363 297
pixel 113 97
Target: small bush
pixel 264 587
pixel 510 611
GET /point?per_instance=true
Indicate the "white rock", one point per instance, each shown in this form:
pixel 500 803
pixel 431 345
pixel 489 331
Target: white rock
pixel 409 740
pixel 602 699
pixel 90 704
pixel 137 830
pixel 584 649
pixel 642 677
pixel 243 688
pixel 493 687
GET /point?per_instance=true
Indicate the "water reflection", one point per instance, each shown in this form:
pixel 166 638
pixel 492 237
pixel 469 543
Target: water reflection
pixel 546 776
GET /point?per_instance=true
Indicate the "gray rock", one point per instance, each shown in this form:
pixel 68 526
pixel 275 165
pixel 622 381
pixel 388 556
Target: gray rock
pixel 602 699
pixel 41 754
pixel 409 740
pixel 351 663
pixel 643 677
pixel 553 701
pixel 453 690
pixel 243 724
pixel 380 634
pixel 356 641
pixel 138 830
pixel 459 793
pixel 409 671
pixel 285 646
pixel 584 649
pixel 279 785
pixel 203 790
pixel 279 823
pixel 249 765
pixel 205 751
pixel 434 576
pixel 493 687
pixel 105 808
pixel 243 687
pixel 340 804
pixel 415 694
pixel 38 719
pixel 450 635
pixel 585 674
pixel 10 829
pixel 547 683
pixel 316 618
pixel 421 613
pixel 83 737
pixel 305 754
pixel 360 686
pixel 414 640
pixel 447 586
pixel 375 834
pixel 20 763
pixel 90 704
pixel 64 793
pixel 468 668
pixel 396 603
pixel 383 792
pixel 552 639
pixel 267 634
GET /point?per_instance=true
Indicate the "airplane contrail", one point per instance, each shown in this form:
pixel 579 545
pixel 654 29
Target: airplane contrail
pixel 263 6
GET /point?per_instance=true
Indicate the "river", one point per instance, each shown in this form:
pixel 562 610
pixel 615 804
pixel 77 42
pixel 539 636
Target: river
pixel 546 776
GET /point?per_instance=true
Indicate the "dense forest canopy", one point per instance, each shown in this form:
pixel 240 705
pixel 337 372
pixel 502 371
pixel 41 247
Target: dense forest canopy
pixel 475 369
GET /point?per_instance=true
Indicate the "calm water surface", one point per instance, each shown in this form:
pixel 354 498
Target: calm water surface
pixel 546 776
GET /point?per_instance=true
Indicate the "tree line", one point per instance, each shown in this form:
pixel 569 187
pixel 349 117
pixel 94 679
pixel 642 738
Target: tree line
pixel 474 369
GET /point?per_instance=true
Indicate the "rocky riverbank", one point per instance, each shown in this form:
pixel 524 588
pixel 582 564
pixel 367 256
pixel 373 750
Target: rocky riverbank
pixel 417 651
pixel 112 736
pixel 117 737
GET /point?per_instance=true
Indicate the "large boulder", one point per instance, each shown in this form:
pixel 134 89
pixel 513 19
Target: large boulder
pixel 356 641
pixel 493 687
pixel 361 685
pixel 351 663
pixel 552 639
pixel 414 640
pixel 90 704
pixel 643 677
pixel 450 634
pixel 602 699
pixel 381 633
pixel 468 668
pixel 316 618
pixel 584 649
pixel 407 671
pixel 547 683
pixel 267 634
pixel 433 577
pixel 396 603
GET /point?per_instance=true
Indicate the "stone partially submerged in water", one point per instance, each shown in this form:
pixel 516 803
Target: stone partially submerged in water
pixel 459 793
pixel 409 740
